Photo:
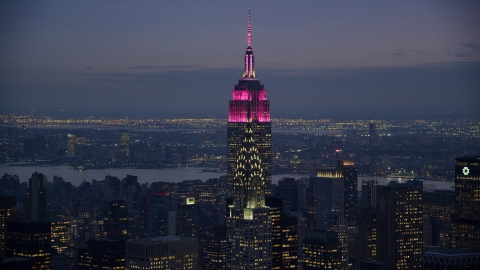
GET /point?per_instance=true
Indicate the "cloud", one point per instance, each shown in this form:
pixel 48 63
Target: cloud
pixel 471 45
pixel 461 54
pixel 89 68
pixel 371 57
pixel 402 52
pixel 145 67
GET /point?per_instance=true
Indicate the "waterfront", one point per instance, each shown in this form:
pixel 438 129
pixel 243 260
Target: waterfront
pixel 76 177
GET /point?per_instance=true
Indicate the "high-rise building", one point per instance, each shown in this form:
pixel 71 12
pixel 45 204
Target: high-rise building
pixel 399 223
pixel 249 99
pixel 288 190
pixel 116 222
pixel 161 217
pixel 466 216
pixel 326 197
pixel 322 250
pixel 249 226
pixel 8 211
pixel 350 194
pixel 102 254
pixel 367 230
pixel 36 203
pixel 187 218
pixel 167 252
pixel 29 239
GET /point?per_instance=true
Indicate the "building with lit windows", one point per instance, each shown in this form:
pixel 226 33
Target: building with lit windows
pixel 326 197
pixel 249 225
pixel 8 211
pixel 439 204
pixel 322 250
pixel 249 97
pixel 163 252
pixel 187 218
pixel 399 223
pixel 367 227
pixel 466 216
pixel 61 235
pixel 29 239
pixel 116 223
pixel 102 254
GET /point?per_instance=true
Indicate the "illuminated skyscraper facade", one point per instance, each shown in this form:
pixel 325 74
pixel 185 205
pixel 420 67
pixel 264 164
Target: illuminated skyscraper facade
pixel 249 97
pixel 466 215
pixel 249 225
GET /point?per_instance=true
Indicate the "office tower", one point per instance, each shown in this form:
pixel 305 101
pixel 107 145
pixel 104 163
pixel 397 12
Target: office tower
pixel 399 222
pixel 249 226
pixel 161 217
pixel 321 250
pixel 275 206
pixel 187 218
pixel 466 215
pixel 36 201
pixel 214 255
pixel 102 254
pixel 8 211
pixel 116 222
pixel 326 197
pixel 337 223
pixel 289 238
pixel 288 190
pixel 367 230
pixel 439 204
pixel 350 194
pixel 249 98
pixel 125 142
pixel 29 239
pixel 168 252
pixel 61 235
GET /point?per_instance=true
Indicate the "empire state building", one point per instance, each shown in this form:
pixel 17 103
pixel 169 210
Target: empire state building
pixel 249 97
pixel 249 226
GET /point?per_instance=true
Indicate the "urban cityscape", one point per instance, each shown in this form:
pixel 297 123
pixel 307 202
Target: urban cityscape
pixel 247 190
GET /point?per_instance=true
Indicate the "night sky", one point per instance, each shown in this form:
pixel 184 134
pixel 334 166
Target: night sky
pixel 161 57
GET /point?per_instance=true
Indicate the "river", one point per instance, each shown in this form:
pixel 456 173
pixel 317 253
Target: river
pixel 76 177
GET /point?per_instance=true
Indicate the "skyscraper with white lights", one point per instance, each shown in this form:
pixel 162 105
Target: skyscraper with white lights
pixel 249 226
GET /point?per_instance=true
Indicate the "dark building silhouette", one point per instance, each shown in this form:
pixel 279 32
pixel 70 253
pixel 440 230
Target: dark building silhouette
pixel 8 211
pixel 287 189
pixel 350 194
pixel 466 216
pixel 161 217
pixel 187 218
pixel 214 252
pixel 116 223
pixel 29 239
pixel 36 201
pixel 367 227
pixel 102 254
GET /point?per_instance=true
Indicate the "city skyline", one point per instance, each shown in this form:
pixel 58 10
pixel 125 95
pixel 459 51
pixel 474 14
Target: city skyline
pixel 338 58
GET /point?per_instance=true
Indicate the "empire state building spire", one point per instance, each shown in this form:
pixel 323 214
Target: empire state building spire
pixel 249 71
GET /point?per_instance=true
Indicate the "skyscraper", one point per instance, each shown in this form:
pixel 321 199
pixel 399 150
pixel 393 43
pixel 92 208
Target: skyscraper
pixel 249 97
pixel 399 223
pixel 466 216
pixel 36 204
pixel 249 226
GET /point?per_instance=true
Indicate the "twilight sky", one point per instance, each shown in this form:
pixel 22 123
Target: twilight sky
pixel 323 57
